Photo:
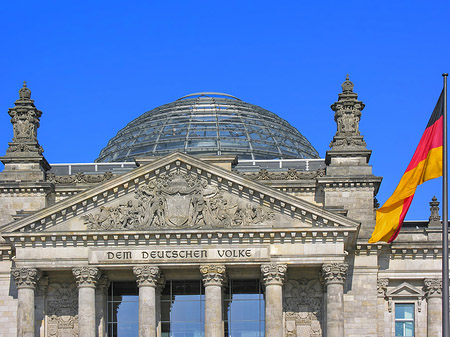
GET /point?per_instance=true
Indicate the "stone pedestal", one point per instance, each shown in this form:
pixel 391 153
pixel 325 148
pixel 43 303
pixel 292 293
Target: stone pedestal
pixel 433 289
pixel 213 279
pixel 26 279
pixel 334 275
pixel 147 278
pixel 273 276
pixel 86 278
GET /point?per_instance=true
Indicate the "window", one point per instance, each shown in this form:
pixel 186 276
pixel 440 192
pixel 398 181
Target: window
pixel 404 320
pixel 244 309
pixel 182 309
pixel 123 309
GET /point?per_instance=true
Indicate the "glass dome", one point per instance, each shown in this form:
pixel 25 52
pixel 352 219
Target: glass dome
pixel 208 124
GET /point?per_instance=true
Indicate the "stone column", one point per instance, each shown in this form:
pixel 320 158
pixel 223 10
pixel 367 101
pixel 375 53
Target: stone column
pixel 147 278
pixel 433 290
pixel 86 278
pixel 273 276
pixel 381 295
pixel 334 275
pixel 159 289
pixel 101 295
pixel 213 279
pixel 26 279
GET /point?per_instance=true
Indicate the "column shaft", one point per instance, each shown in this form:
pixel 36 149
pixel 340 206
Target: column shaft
pixel 334 275
pixel 335 310
pixel 147 278
pixel 86 311
pixel 213 311
pixel 25 279
pixel 147 311
pixel 86 278
pixel 274 310
pixel 25 312
pixel 213 279
pixel 273 276
pixel 433 289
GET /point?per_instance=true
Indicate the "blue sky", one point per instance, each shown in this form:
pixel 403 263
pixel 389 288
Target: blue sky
pixel 93 66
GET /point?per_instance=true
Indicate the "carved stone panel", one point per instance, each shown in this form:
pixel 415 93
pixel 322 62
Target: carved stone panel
pixel 62 310
pixel 179 200
pixel 303 307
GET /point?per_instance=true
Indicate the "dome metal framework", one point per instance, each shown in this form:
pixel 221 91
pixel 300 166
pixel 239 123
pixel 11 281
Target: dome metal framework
pixel 208 124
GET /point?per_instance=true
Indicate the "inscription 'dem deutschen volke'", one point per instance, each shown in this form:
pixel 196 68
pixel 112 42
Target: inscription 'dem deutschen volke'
pixel 111 256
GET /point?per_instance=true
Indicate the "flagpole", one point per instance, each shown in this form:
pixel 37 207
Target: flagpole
pixel 445 273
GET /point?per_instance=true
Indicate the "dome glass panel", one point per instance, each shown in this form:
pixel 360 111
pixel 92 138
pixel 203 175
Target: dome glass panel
pixel 208 124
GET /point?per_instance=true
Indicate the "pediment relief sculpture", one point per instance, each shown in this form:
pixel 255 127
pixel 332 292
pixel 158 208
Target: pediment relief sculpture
pixel 179 200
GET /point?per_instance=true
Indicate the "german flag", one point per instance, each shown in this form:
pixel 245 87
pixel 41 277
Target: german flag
pixel 425 164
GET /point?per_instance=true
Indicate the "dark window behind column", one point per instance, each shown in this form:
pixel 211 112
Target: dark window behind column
pixel 123 309
pixel 182 309
pixel 244 309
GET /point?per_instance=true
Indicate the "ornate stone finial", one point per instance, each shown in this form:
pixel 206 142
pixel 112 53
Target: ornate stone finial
pixel 273 273
pixel 24 92
pixel 26 277
pixel 347 116
pixel 347 86
pixel 147 275
pixel 435 219
pixel 213 274
pixel 86 276
pixel 382 284
pixel 433 287
pixel 334 272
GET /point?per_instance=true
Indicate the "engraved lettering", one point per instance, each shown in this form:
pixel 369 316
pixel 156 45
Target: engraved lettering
pixel 145 255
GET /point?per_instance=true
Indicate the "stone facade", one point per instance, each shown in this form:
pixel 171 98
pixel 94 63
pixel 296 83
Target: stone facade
pixel 302 233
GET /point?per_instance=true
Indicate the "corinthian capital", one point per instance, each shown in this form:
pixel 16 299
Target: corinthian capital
pixel 334 272
pixel 86 276
pixel 433 287
pixel 273 273
pixel 213 274
pixel 26 277
pixel 147 275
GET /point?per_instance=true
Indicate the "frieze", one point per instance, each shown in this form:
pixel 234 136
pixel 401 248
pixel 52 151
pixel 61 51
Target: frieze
pixel 177 200
pixel 291 174
pixel 303 308
pixel 79 178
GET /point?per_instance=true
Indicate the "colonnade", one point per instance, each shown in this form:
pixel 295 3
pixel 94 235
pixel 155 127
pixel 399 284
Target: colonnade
pixel 92 299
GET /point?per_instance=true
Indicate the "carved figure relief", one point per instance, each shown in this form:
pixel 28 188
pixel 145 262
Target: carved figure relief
pixel 178 200
pixel 302 304
pixel 62 310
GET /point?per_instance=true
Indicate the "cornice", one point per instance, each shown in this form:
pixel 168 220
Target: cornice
pixel 137 238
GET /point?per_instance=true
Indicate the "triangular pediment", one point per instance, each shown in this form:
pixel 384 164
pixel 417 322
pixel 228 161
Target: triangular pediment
pixel 405 290
pixel 179 191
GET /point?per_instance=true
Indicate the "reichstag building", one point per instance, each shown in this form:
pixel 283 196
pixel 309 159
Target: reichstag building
pixel 213 217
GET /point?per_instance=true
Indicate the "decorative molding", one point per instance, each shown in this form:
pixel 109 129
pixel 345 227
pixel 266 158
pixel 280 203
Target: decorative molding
pixel 79 178
pixel 433 287
pixel 26 277
pixel 273 273
pixel 382 284
pixel 86 276
pixel 62 309
pixel 303 307
pixel 334 272
pixel 148 275
pixel 291 174
pixel 177 200
pixel 213 274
